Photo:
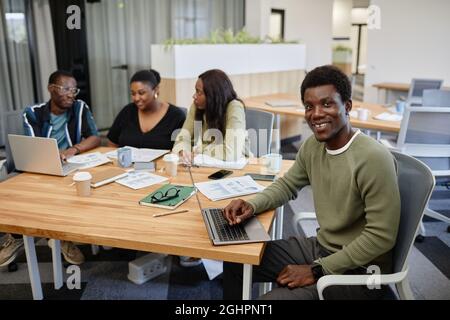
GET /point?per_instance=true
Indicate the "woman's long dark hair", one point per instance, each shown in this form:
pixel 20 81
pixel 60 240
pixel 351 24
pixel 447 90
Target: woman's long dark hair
pixel 219 93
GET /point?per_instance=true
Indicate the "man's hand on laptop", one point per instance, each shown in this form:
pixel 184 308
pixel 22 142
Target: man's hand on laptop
pixel 68 153
pixel 238 211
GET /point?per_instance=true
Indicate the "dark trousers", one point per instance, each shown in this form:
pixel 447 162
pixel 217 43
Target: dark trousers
pixel 295 251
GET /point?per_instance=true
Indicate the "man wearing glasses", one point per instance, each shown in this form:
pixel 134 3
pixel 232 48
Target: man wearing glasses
pixel 63 118
pixel 71 123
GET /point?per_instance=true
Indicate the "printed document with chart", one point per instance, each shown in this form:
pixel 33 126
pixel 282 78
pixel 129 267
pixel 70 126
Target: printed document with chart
pixel 89 160
pixel 229 188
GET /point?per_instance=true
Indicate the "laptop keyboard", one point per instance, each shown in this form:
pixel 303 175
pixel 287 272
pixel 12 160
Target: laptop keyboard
pixel 67 167
pixel 224 230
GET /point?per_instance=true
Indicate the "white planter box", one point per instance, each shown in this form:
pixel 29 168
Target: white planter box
pixel 189 61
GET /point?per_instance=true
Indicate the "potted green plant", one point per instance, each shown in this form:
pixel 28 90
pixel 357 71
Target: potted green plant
pixel 342 54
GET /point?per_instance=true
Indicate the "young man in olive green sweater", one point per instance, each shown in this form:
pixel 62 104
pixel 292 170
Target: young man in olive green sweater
pixel 356 199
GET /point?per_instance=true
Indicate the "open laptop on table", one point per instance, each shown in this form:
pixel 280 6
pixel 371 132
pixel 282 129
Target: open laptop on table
pixel 38 155
pixel 221 233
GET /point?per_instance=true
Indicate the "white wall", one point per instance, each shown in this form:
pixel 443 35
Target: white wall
pixel 310 22
pixel 257 13
pixel 342 14
pixel 413 42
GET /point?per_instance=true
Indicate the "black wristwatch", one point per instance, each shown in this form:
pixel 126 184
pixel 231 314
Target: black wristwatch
pixel 317 271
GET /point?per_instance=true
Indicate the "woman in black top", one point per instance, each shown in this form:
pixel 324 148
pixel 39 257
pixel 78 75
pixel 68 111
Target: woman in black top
pixel 147 122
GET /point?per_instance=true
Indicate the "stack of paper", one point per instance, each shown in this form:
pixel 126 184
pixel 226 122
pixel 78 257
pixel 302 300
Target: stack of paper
pixel 140 179
pixel 229 188
pixel 203 160
pixel 140 155
pixel 386 116
pixel 89 160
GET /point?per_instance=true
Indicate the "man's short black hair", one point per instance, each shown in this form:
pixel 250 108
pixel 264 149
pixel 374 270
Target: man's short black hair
pixel 58 74
pixel 325 75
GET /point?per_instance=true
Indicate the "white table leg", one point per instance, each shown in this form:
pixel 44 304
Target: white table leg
pixel 279 223
pixel 57 265
pixel 277 133
pixel 33 269
pixel 247 282
pixel 378 135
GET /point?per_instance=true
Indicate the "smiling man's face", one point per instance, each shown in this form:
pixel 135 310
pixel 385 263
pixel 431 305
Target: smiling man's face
pixel 326 115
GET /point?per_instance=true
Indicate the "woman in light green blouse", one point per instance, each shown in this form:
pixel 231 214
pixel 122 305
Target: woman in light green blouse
pixel 215 124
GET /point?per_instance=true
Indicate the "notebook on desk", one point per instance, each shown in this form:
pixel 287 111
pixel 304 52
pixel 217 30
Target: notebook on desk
pixel 106 176
pixel 221 233
pixel 169 196
pixel 38 155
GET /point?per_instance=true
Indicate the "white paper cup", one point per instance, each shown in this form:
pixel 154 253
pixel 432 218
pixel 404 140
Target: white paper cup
pixel 273 161
pixel 363 114
pixel 83 183
pixel 171 164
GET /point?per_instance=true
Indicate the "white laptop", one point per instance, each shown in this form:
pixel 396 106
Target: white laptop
pixel 221 233
pixel 38 155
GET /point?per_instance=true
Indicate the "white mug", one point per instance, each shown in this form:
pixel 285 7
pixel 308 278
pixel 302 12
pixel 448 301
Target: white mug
pixel 363 114
pixel 83 182
pixel 273 162
pixel 171 164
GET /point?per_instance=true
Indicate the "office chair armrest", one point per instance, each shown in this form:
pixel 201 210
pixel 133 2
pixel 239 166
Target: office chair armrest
pixel 358 280
pixel 299 216
pixel 304 216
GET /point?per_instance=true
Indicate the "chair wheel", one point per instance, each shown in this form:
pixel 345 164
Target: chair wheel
pixel 420 238
pixel 13 267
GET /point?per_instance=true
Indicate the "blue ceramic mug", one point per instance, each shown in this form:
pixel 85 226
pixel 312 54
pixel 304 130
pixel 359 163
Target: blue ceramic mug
pixel 124 157
pixel 400 106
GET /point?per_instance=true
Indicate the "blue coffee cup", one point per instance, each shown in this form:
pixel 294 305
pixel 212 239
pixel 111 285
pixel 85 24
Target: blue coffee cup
pixel 124 157
pixel 400 106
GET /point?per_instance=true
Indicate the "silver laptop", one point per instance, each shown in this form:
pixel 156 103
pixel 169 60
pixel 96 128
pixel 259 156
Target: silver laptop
pixel 221 233
pixel 38 155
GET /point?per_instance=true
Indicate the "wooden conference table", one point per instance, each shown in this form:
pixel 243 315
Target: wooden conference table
pixel 297 110
pixel 37 205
